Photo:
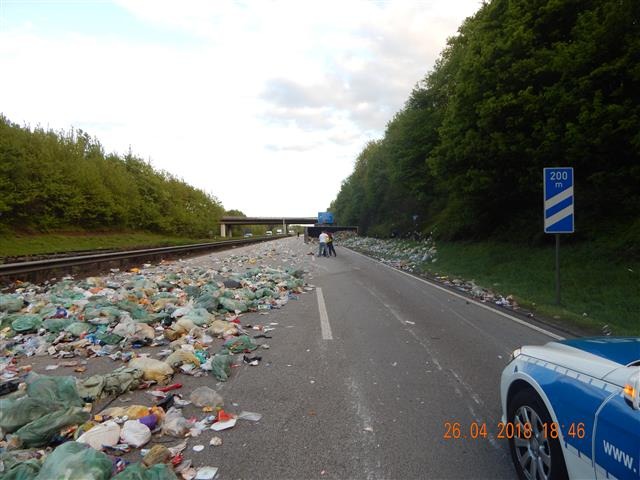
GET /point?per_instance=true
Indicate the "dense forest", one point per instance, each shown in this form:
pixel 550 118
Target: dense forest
pixel 525 84
pixel 64 180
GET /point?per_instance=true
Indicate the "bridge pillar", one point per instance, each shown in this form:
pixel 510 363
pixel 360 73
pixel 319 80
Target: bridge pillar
pixel 223 230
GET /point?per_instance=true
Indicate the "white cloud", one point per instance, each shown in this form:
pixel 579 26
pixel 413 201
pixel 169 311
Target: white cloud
pixel 266 106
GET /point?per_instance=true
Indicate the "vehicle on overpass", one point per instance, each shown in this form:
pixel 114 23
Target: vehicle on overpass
pixel 571 408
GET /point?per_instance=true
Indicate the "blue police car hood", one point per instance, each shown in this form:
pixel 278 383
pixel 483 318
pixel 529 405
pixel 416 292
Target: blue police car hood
pixel 622 350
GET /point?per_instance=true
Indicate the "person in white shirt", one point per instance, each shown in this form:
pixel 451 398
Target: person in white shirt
pixel 322 251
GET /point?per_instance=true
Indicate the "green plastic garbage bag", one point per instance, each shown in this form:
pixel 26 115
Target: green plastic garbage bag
pixel 228 293
pixel 264 292
pixel 5 321
pixel 65 296
pixel 78 328
pixel 39 433
pixel 199 316
pixel 137 312
pixel 136 471
pixel 207 302
pixel 247 293
pixel 252 273
pixel 143 283
pixel 45 311
pixel 295 272
pixel 221 367
pixel 109 338
pixel 75 461
pixel 159 295
pixel 17 412
pixel 107 312
pixel 24 470
pixel 239 344
pixel 295 283
pixel 26 323
pixel 192 291
pixel 11 303
pixel 211 287
pixel 233 305
pixel 119 381
pixel 56 325
pixel 57 391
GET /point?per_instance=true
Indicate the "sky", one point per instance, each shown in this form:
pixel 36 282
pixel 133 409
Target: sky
pixel 263 104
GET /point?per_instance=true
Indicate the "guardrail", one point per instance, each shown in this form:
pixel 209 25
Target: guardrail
pixel 18 270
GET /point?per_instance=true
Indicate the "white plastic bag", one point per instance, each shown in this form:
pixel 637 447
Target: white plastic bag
pixel 206 397
pixel 105 434
pixel 174 423
pixel 135 433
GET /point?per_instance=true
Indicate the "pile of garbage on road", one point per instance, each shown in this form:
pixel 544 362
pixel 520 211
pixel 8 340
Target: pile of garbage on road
pixel 483 294
pixel 153 323
pixel 412 255
pixel 402 254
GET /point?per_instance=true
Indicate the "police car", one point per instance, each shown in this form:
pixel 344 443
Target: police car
pixel 571 408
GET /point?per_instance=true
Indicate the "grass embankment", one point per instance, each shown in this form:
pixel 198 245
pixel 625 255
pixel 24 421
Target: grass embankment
pixel 597 288
pixel 17 245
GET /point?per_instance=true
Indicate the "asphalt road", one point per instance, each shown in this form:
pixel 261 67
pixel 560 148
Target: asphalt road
pixel 362 376
pixel 370 397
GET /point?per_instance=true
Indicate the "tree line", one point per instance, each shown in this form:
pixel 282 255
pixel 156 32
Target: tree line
pixel 525 84
pixel 65 180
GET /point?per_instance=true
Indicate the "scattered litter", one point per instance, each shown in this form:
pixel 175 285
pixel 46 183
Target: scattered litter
pixel 156 454
pixel 105 434
pixel 206 397
pixel 252 360
pixel 219 426
pixel 135 433
pixel 206 473
pixel 154 323
pixel 251 416
pixel 412 255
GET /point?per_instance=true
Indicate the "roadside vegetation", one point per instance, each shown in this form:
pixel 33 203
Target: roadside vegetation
pixel 600 293
pixel 53 181
pixel 597 288
pixel 522 86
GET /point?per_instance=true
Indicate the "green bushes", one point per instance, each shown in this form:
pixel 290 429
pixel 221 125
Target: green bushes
pixel 524 85
pixel 53 181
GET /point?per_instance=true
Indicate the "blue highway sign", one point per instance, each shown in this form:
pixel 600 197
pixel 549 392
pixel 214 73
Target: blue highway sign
pixel 558 200
pixel 325 218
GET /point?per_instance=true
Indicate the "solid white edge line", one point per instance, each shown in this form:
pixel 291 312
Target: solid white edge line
pixel 324 318
pixel 475 302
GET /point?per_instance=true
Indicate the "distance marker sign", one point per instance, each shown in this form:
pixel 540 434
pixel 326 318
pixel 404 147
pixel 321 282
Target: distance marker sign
pixel 558 200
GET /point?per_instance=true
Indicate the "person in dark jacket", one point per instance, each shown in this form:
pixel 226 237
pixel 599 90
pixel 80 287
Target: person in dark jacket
pixel 330 247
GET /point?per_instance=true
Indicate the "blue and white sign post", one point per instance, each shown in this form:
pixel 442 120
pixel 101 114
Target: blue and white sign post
pixel 558 209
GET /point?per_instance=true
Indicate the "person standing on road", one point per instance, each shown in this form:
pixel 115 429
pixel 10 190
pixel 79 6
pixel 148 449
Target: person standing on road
pixel 322 251
pixel 330 247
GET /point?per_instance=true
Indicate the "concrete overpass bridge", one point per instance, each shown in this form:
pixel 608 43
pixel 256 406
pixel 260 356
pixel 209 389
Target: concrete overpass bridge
pixel 226 222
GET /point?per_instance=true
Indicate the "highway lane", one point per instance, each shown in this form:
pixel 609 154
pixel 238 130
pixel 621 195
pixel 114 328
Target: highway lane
pixel 369 393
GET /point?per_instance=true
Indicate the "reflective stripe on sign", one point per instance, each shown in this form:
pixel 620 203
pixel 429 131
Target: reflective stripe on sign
pixel 558 198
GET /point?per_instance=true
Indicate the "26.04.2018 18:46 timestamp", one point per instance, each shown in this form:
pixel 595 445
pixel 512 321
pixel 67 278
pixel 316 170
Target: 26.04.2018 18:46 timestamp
pixel 507 430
